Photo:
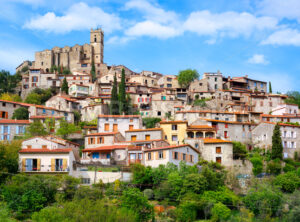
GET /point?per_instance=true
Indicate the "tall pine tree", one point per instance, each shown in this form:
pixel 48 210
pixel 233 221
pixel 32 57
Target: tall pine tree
pixel 270 87
pixel 277 147
pixel 122 95
pixel 65 87
pixel 114 102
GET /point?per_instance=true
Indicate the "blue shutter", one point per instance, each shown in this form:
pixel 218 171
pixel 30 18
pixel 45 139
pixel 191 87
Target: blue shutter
pixel 28 164
pixel 2 133
pixel 17 130
pixel 8 133
pixel 95 155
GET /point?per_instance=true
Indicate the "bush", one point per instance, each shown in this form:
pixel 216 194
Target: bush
pixel 150 122
pixel 274 167
pixel 149 194
pixel 220 212
pixel 21 114
pixel 257 163
pixel 288 168
pixel 195 183
pixel 239 150
pixel 186 212
pixel 288 182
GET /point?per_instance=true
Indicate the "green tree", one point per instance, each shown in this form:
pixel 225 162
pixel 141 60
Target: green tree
pixel 195 183
pixel 10 97
pixel 288 182
pixel 26 194
pixel 263 199
pixel 220 212
pixel 122 95
pixel 21 114
pixel 293 98
pixel 270 87
pixel 9 158
pixel 274 167
pixel 134 200
pixel 36 128
pixel 185 77
pixel 65 129
pixel 276 143
pixel 8 82
pixel 33 98
pixel 114 102
pixel 93 72
pixel 239 150
pixel 65 87
pixel 69 187
pixel 186 212
pixel 257 163
pixel 150 122
pixel 53 69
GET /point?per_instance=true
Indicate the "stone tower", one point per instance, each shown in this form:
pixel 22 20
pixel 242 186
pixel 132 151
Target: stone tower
pixel 97 45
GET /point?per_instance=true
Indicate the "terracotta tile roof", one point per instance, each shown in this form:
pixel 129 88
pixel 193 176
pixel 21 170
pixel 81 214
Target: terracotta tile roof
pixel 281 116
pixel 68 99
pixel 49 137
pixel 106 148
pixel 230 122
pixel 144 130
pixel 171 147
pixel 206 111
pixel 119 116
pixel 90 127
pixel 102 134
pixel 13 121
pixel 45 117
pixel 200 127
pixel 66 150
pixel 17 103
pixel 173 122
pixel 208 140
pixel 281 124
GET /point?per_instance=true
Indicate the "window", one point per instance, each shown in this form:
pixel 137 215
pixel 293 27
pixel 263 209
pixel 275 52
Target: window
pixel 175 155
pixel 160 154
pixel 106 127
pixel 219 159
pixel 218 149
pixel 131 120
pixel 174 138
pixel 44 146
pixel 261 103
pixel 95 156
pixel 183 156
pixel 3 104
pixel 31 165
pixel 169 85
pixel 130 127
pixel 85 180
pixel 149 156
pixel 133 138
pixel 226 125
pixel 191 158
pixel 115 127
pixel 147 137
pixel 44 111
pixel 174 127
pixel 225 134
pixel 216 79
pixel 159 113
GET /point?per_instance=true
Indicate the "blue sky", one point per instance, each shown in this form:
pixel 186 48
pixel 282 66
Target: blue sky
pixel 258 38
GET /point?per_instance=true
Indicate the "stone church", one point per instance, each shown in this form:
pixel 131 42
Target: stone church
pixel 76 58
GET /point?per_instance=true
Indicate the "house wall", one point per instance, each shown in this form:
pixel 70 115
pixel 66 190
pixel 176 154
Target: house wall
pixel 168 132
pixel 91 112
pixel 108 140
pixel 12 131
pixel 208 152
pixel 141 135
pixel 7 109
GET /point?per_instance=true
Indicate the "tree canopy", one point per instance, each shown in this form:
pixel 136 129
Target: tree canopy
pixel 65 87
pixel 21 113
pixel 185 77
pixel 277 147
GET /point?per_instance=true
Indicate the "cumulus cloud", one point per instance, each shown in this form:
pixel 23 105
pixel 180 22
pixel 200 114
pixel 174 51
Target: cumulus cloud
pixel 152 29
pixel 283 37
pixel 289 9
pixel 258 59
pixel 79 16
pixel 230 24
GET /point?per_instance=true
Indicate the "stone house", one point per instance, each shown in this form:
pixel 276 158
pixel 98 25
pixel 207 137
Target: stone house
pixel 290 136
pixel 7 108
pixel 168 81
pixel 286 109
pixel 171 154
pixel 144 80
pixel 95 140
pixel 294 118
pixel 91 112
pixel 10 128
pixel 143 134
pixel 118 123
pixel 266 103
pixel 174 131
pixel 63 102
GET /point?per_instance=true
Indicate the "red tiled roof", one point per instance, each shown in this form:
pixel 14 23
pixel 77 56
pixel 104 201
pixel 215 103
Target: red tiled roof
pixel 18 103
pixel 281 116
pixel 45 117
pixel 208 140
pixel 281 124
pixel 230 122
pixel 142 130
pixel 106 148
pixel 102 134
pixel 119 116
pixel 66 150
pixel 13 121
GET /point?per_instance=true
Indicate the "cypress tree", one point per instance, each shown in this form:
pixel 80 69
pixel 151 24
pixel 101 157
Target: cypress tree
pixel 122 94
pixel 270 87
pixel 114 102
pixel 93 72
pixel 65 87
pixel 277 147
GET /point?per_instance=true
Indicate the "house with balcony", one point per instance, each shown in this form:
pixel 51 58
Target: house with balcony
pixel 49 154
pixel 10 128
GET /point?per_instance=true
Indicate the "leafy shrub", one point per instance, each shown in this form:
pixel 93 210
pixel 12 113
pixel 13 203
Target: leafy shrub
pixel 288 182
pixel 239 150
pixel 288 168
pixel 186 212
pixel 274 167
pixel 257 163
pixel 220 212
pixel 149 194
pixel 150 122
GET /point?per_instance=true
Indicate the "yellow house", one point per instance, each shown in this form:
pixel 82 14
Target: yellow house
pixel 174 131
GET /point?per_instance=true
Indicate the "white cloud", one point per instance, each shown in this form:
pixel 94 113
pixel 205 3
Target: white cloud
pixel 152 12
pixel 78 17
pixel 152 29
pixel 258 59
pixel 283 37
pixel 280 8
pixel 230 24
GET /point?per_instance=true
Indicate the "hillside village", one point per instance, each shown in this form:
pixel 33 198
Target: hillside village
pixel 200 120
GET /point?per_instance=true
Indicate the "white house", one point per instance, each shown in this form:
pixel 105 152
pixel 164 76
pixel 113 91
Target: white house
pixel 171 154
